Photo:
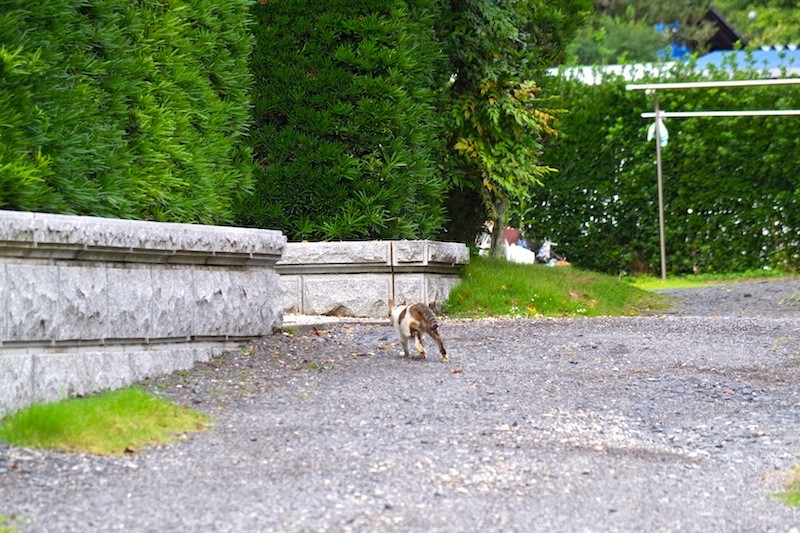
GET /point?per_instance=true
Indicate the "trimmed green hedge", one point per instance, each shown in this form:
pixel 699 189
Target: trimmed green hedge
pixel 732 190
pixel 345 129
pixel 125 109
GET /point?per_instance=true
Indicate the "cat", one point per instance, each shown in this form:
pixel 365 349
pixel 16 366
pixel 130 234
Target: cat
pixel 412 321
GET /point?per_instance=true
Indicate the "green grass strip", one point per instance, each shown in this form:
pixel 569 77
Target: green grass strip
pixel 703 280
pixel 111 423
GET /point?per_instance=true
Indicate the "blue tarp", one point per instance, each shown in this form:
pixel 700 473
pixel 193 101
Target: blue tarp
pixel 766 59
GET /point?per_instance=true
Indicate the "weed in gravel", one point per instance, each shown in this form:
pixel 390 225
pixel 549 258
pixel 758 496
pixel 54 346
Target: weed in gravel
pixel 792 494
pixel 782 344
pixel 793 300
pixel 6 526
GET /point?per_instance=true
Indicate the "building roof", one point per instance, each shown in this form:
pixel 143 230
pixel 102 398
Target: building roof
pixel 773 59
pixel 726 36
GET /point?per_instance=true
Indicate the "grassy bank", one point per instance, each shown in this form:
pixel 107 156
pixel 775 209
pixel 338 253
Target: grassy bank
pixel 491 287
pixel 111 423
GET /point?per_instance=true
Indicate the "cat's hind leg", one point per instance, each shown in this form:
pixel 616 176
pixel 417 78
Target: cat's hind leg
pixel 418 343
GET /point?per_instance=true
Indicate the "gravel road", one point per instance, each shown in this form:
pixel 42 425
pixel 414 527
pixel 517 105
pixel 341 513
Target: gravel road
pixel 689 421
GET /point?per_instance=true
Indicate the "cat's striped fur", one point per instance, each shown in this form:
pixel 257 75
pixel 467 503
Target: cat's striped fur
pixel 412 321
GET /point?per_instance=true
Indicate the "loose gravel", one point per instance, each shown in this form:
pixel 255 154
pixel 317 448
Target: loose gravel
pixel 683 422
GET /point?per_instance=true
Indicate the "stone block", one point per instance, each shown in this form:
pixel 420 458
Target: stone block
pixel 109 369
pixel 162 359
pixel 270 302
pixel 83 302
pixel 216 297
pixel 409 288
pixel 255 308
pixel 183 357
pixel 364 295
pixel 330 253
pixel 58 375
pixel 130 292
pixel 236 302
pixel 438 289
pixel 148 363
pixel 292 286
pixel 173 302
pixel 410 252
pixel 17 226
pixel 16 382
pixel 33 298
pixel 452 253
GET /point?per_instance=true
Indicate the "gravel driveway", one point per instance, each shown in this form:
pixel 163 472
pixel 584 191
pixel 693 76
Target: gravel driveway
pixel 684 422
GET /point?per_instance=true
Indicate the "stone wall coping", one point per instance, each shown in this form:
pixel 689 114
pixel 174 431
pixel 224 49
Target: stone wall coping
pixel 348 255
pixel 49 236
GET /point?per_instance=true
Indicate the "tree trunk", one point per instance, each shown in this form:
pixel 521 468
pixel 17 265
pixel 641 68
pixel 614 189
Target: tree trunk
pixel 500 219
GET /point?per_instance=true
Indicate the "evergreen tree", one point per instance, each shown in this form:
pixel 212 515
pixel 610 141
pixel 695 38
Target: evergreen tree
pixel 121 109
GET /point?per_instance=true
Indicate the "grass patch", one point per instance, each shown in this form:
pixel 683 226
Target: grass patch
pixel 111 423
pixel 651 283
pixel 495 287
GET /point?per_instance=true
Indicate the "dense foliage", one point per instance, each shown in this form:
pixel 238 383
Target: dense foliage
pixel 763 22
pixel 346 124
pixel 124 109
pixel 731 187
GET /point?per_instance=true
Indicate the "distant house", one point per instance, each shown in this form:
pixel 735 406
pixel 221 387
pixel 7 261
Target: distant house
pixel 726 37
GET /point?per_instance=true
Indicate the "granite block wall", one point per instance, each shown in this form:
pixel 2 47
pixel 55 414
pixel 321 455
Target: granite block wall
pixel 89 303
pixel 357 278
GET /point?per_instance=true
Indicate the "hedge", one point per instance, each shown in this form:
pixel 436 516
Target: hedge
pixel 345 122
pixel 125 109
pixel 731 186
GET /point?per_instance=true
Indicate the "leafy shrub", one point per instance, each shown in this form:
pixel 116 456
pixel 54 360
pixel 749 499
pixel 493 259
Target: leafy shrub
pixel 731 188
pixel 345 129
pixel 124 109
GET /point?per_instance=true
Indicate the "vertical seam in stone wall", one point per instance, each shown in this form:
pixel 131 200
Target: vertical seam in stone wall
pixel 391 267
pixel 301 286
pixel 193 321
pixel 59 300
pixel 33 376
pixel 106 316
pixel 151 324
pixel 5 305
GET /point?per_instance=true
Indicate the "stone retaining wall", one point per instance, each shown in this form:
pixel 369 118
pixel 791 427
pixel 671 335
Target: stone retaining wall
pixel 91 303
pixel 357 278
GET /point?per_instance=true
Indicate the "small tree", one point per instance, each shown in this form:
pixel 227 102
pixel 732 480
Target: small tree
pixel 499 137
pixel 498 123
